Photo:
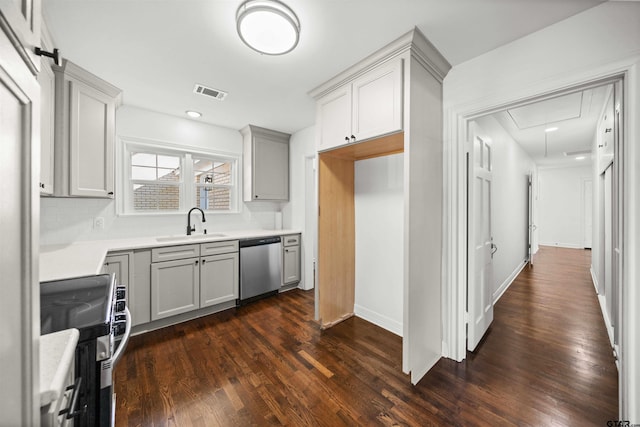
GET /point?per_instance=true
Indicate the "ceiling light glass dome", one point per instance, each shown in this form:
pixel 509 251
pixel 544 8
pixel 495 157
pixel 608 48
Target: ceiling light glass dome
pixel 268 26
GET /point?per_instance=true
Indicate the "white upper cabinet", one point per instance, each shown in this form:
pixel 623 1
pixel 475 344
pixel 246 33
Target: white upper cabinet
pixel 377 102
pixel 46 80
pixel 85 133
pixel 333 119
pixel 366 107
pixel 265 164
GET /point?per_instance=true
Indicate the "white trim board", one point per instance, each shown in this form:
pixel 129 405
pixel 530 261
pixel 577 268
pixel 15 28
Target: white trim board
pixel 509 280
pixel 378 319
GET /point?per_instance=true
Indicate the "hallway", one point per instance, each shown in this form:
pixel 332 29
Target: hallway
pixel 546 359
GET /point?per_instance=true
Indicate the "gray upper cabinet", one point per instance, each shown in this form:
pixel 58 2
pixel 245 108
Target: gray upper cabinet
pixel 85 109
pixel 266 164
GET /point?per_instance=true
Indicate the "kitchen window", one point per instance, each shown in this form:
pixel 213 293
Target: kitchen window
pixel 169 179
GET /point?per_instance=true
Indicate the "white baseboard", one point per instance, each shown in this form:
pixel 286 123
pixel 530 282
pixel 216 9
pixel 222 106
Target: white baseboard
pixel 378 319
pixel 607 321
pixel 594 279
pixel 562 245
pixel 505 285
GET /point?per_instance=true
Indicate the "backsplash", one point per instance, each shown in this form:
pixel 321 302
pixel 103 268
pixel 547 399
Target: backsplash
pixel 66 220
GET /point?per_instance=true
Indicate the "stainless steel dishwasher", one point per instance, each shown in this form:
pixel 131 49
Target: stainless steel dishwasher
pixel 260 268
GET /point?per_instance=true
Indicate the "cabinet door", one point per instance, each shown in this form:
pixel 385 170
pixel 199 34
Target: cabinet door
pixel 46 78
pixel 291 265
pixel 139 298
pixel 270 169
pixel 91 139
pixel 334 119
pixel 175 287
pixel 219 279
pixel 377 102
pixel 118 264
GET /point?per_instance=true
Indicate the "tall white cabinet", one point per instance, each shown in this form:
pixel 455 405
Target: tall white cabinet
pixel 392 103
pixel 85 108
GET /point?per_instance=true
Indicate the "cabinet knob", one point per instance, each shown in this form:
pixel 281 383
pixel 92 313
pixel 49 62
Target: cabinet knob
pixel 110 193
pixel 346 138
pixel 196 262
pixel 353 138
pixel 203 261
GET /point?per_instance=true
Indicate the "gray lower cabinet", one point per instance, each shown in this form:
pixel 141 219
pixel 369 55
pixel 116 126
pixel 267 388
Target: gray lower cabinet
pixel 118 264
pixel 291 259
pixel 219 279
pixel 175 287
pixel 188 277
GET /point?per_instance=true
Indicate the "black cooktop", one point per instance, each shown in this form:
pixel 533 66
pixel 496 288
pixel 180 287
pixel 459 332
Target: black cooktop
pixel 84 303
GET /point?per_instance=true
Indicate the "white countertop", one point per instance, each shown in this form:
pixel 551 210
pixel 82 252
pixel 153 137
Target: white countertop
pixel 86 258
pixel 56 354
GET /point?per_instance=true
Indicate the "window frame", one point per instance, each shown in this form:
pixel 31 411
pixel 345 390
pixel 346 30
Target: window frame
pixel 187 200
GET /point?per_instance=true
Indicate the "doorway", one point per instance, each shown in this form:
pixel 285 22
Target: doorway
pixel 544 162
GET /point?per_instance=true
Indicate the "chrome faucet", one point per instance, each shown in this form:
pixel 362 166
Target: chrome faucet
pixel 190 228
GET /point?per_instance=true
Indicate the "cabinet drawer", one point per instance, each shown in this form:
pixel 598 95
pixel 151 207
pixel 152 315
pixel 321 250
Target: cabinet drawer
pixel 175 252
pixel 291 240
pixel 216 248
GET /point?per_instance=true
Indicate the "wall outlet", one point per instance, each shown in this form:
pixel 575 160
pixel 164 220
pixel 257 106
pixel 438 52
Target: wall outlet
pixel 98 223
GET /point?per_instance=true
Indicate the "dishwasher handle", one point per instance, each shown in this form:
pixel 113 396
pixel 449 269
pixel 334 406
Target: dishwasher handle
pixel 259 242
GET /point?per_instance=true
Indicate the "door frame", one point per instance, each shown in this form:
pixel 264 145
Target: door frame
pixel 456 120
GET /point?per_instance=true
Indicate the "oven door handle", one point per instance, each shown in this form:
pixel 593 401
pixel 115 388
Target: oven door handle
pixel 125 338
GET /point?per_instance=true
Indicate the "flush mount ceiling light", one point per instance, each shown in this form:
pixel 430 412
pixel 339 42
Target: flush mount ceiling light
pixel 268 26
pixel 193 114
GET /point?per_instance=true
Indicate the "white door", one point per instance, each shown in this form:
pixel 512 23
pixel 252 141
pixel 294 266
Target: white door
pixel 480 246
pixel 531 225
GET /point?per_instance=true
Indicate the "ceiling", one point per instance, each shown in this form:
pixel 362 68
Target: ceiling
pixel 574 115
pixel 157 50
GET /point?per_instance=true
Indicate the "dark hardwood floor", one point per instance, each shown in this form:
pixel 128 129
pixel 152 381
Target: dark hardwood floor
pixel 545 361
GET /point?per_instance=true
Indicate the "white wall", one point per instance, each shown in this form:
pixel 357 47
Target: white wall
pixel 600 42
pixel 65 220
pixel 379 222
pixel 294 214
pixel 510 221
pixel 561 206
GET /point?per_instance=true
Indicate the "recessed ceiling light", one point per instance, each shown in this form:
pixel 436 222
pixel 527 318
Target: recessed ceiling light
pixel 268 26
pixel 580 158
pixel 193 114
pixel 551 129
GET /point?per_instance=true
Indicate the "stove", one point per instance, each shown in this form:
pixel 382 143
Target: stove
pixel 97 308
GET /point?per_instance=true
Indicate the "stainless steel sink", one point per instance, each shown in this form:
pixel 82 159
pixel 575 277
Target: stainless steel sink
pixel 184 237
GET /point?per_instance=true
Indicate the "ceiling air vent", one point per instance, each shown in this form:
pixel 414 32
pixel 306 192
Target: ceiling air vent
pixel 207 91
